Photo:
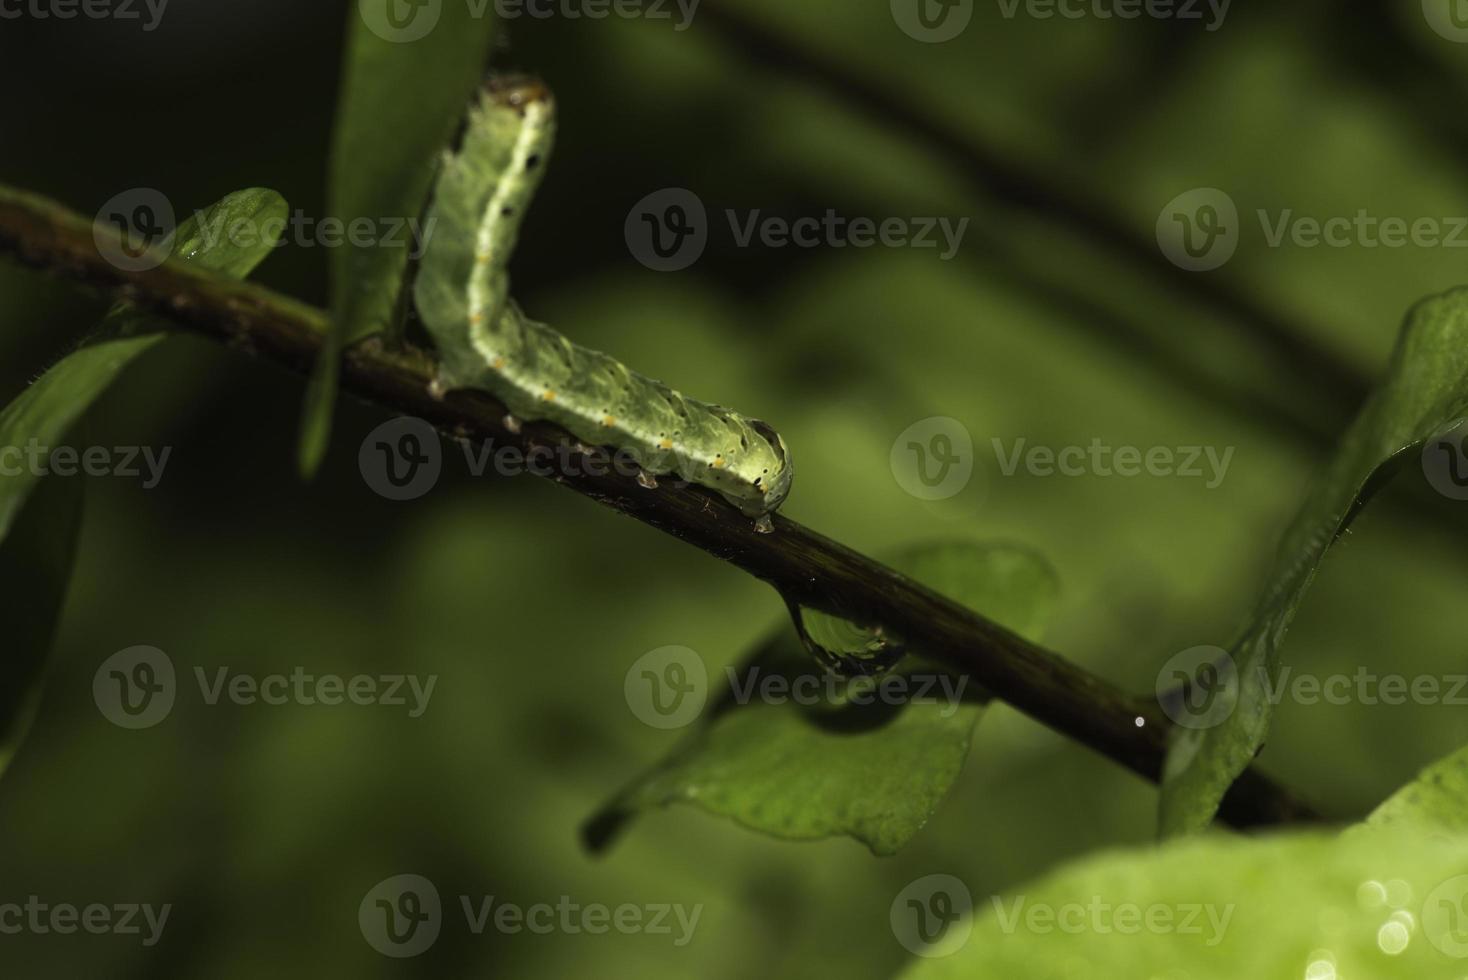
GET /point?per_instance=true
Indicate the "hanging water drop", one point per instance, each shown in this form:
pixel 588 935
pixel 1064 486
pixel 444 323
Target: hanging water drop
pixel 846 646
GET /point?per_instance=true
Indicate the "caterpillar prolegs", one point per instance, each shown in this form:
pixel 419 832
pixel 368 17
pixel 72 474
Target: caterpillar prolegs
pixel 487 343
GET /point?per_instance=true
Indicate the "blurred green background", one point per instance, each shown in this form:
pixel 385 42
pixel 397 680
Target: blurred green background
pixel 264 826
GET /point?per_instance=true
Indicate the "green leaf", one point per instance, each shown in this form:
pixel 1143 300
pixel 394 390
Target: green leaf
pixel 403 95
pixel 1426 389
pixel 874 771
pixel 37 531
pixel 1382 900
pixel 45 412
pixel 1379 905
pixel 35 567
pixel 1437 800
pixel 235 234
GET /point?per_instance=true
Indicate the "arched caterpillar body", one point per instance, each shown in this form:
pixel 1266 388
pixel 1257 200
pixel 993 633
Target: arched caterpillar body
pixel 486 342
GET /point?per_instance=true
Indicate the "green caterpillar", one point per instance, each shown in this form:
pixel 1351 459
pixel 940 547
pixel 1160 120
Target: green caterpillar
pixel 487 343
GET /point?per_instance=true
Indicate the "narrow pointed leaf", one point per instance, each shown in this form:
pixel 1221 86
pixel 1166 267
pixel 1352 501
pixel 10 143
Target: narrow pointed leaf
pixel 410 71
pixel 36 559
pixel 1426 390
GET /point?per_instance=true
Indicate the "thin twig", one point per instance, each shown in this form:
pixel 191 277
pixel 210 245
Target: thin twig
pixel 805 567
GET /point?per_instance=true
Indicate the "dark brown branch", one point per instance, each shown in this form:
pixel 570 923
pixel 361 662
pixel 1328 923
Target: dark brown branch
pixel 802 565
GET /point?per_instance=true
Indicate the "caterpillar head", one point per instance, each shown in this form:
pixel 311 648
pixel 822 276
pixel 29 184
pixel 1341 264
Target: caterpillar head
pixel 516 91
pixel 762 474
pixel 777 484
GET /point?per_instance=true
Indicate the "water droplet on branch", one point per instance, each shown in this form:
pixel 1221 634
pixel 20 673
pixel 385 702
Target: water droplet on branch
pixel 845 646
